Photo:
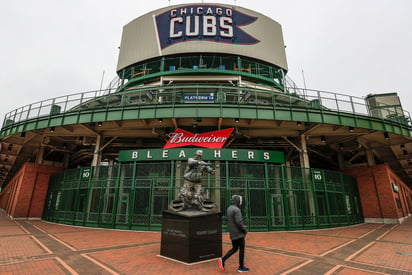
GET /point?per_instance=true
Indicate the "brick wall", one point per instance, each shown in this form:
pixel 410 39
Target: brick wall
pixel 378 199
pixel 25 194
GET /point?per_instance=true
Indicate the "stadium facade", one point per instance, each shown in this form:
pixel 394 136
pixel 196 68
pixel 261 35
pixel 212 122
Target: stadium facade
pixel 115 158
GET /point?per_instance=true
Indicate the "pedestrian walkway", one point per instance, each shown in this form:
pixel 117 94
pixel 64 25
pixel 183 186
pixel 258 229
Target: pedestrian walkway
pixel 38 247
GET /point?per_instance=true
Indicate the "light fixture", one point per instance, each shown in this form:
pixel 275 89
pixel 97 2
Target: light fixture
pixel 160 120
pixel 237 120
pixel 341 146
pixel 51 129
pixel 99 123
pixel 299 123
pixel 386 135
pixel 402 146
pixel 322 139
pixel 23 134
pixel 351 129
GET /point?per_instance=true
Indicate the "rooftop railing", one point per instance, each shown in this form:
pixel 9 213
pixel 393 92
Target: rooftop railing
pixel 204 94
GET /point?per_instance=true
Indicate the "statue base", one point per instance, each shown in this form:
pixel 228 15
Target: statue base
pixel 191 236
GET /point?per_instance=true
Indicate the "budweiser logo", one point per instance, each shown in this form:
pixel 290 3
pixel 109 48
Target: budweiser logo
pixel 181 138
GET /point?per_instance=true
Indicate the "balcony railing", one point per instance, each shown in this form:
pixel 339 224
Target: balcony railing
pixel 203 94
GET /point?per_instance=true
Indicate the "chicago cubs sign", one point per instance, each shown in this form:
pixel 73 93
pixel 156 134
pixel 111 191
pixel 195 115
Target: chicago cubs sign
pixel 207 28
pixel 212 23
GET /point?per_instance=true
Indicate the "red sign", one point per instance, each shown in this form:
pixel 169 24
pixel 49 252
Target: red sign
pixel 181 138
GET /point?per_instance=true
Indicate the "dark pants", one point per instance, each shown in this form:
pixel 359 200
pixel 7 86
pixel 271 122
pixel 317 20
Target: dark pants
pixel 237 244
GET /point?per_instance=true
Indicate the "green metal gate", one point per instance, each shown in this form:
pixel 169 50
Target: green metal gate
pixel 133 195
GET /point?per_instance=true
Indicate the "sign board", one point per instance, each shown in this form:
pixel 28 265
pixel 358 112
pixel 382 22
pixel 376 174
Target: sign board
pixel 317 175
pixel 85 173
pixel 208 154
pixel 215 139
pixel 198 98
pixel 395 187
pixel 194 28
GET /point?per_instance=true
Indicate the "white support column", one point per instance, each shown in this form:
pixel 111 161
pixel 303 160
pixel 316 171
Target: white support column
pixel 97 155
pixel 341 160
pixel 307 176
pixel 40 155
pixel 370 158
pixel 66 159
pixel 304 152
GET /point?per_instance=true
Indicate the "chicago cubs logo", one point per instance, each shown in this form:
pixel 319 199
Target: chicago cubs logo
pixel 210 23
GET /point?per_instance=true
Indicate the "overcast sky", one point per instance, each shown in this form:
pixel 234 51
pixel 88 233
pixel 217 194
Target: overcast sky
pixel 51 48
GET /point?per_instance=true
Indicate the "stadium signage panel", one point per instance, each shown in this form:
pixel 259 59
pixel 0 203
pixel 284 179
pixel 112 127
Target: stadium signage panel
pixel 208 28
pixel 215 139
pixel 203 22
pixel 198 98
pixel 208 154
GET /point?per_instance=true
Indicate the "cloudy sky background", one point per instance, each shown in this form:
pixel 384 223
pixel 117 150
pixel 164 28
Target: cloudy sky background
pixel 52 48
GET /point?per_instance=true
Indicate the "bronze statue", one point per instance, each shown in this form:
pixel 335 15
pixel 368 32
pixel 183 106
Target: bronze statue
pixel 192 195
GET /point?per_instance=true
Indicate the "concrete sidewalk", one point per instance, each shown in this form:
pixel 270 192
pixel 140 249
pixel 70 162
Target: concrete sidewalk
pixel 37 247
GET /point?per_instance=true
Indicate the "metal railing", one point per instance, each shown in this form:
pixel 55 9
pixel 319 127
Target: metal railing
pixel 196 93
pixel 133 195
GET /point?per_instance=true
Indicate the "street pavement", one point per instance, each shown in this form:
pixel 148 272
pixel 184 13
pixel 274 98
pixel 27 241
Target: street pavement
pixel 39 247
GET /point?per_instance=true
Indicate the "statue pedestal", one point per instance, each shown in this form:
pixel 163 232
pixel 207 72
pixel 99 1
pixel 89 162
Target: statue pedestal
pixel 191 236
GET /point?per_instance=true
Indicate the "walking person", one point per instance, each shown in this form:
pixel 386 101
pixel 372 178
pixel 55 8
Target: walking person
pixel 237 232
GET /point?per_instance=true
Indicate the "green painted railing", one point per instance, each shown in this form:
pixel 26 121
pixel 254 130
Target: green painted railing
pixel 133 195
pixel 200 94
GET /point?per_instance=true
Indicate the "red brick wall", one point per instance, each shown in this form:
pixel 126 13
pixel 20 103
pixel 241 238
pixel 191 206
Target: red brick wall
pixel 25 194
pixel 377 197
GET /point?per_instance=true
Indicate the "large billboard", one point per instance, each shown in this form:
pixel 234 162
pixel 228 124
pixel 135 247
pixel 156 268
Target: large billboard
pixel 208 28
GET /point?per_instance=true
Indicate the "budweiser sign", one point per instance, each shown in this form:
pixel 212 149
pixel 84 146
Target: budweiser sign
pixel 180 138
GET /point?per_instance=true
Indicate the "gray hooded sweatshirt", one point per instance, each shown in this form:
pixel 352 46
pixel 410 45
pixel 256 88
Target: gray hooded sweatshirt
pixel 237 228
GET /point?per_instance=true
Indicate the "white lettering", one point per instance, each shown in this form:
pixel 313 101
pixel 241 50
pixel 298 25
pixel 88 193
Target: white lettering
pixel 234 154
pixel 173 22
pixel 135 155
pixel 229 12
pixel 266 155
pixel 201 11
pixel 182 154
pixel 180 138
pixel 165 154
pixel 250 155
pixel 149 156
pixel 209 25
pixel 217 153
pixel 195 32
pixel 226 26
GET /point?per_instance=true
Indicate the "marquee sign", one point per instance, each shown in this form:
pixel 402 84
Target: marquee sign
pixel 208 154
pixel 203 22
pixel 202 28
pixel 180 138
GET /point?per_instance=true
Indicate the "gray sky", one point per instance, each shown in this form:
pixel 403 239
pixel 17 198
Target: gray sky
pixel 52 48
